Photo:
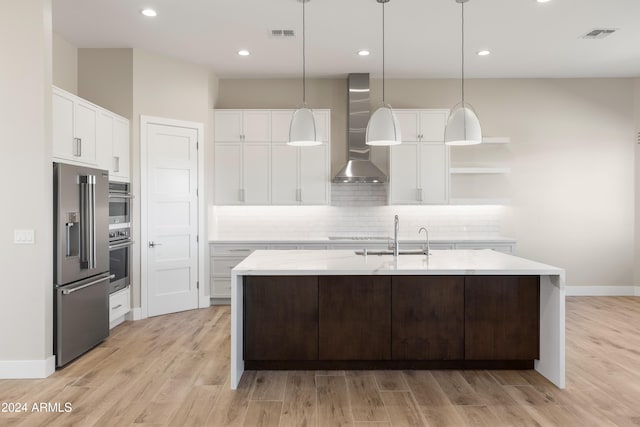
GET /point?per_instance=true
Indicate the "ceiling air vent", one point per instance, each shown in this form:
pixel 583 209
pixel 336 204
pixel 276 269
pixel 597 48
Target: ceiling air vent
pixel 282 33
pixel 599 33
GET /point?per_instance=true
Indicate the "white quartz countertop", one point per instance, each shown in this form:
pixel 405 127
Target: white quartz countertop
pixel 436 238
pixel 346 262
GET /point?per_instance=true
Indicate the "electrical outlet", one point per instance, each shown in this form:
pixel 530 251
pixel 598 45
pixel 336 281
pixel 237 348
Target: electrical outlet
pixel 24 237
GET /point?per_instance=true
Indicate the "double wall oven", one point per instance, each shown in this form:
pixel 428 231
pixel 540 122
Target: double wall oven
pixel 120 241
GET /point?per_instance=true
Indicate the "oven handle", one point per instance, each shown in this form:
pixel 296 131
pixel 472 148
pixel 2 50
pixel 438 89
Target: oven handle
pixel 121 245
pixel 121 196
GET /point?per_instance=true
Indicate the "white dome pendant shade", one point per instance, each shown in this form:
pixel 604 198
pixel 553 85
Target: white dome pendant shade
pixel 383 128
pixel 463 126
pixel 302 131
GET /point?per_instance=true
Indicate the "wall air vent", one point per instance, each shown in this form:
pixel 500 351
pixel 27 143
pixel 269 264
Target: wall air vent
pixel 282 33
pixel 599 33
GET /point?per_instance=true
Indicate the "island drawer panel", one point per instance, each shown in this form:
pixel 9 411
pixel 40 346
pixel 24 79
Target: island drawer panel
pixel 281 318
pixel 354 317
pixel 427 317
pixel 502 317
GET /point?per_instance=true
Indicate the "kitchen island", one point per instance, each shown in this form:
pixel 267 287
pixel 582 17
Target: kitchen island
pixel 335 309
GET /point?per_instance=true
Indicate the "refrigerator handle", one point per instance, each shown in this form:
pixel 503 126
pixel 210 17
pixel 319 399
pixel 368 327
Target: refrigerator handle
pixel 86 285
pixel 88 223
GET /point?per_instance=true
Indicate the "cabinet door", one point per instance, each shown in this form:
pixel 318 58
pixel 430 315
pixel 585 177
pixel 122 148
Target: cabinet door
pixel 62 126
pixel 409 121
pixel 354 317
pixel 281 318
pixel 432 124
pixel 502 317
pixel 104 142
pixel 256 126
pixel 314 175
pixel 403 176
pixel 323 128
pixel 280 124
pixel 427 317
pixel 228 169
pixel 85 128
pixel 434 173
pixel 120 159
pixel 256 173
pixel 284 174
pixel 228 125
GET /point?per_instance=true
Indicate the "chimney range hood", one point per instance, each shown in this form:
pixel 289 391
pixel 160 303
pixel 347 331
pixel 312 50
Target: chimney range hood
pixel 359 168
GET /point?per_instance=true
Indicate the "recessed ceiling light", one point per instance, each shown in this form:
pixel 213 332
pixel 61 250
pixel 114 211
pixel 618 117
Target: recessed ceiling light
pixel 364 52
pixel 243 52
pixel 149 12
pixel 543 1
pixel 483 52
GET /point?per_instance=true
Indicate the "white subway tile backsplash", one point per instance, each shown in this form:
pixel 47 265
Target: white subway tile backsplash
pixel 356 210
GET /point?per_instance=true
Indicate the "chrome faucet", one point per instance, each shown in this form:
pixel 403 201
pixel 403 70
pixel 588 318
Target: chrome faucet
pixel 396 227
pixel 427 250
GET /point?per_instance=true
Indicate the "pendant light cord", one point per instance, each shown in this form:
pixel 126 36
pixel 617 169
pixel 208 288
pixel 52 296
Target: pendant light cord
pixel 304 72
pixel 383 53
pixel 462 55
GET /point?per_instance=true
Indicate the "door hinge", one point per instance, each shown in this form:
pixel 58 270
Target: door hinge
pixel 197 194
pixel 197 239
pixel 198 285
pixel 197 145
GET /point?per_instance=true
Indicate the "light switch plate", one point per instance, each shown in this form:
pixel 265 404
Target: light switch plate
pixel 24 237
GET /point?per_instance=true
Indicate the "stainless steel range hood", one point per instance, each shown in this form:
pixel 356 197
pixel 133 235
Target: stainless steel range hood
pixel 359 167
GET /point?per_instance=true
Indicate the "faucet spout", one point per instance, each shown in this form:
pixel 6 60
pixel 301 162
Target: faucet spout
pixel 396 227
pixel 426 240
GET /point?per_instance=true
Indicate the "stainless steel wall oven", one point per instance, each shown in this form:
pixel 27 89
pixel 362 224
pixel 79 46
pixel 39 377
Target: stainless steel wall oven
pixel 119 203
pixel 119 258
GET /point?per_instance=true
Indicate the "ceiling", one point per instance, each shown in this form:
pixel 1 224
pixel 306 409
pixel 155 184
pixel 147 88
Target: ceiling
pixel 526 38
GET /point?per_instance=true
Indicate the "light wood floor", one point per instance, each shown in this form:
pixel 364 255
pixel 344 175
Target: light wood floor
pixel 174 370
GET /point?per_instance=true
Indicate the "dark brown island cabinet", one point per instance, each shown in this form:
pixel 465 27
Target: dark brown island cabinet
pixel 391 322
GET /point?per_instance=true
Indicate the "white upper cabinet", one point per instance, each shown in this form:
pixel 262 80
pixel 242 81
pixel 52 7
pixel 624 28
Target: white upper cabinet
pixel 419 167
pixel 281 121
pixel 422 125
pixel 85 134
pixel 299 175
pixel 113 146
pixel 261 169
pixel 242 125
pixel 74 129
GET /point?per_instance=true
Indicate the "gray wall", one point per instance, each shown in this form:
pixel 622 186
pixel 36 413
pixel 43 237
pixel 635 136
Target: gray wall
pixel 65 64
pixel 572 145
pixel 26 320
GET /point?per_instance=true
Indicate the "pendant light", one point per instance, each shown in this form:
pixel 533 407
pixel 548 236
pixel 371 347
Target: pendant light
pixel 463 126
pixel 383 127
pixel 302 130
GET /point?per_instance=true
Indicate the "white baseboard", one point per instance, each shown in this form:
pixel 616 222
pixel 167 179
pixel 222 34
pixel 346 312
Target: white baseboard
pixel 204 302
pixel 220 301
pixel 135 314
pixel 602 291
pixel 22 369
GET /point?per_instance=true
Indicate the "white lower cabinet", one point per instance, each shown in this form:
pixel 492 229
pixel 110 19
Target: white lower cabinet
pixel 119 306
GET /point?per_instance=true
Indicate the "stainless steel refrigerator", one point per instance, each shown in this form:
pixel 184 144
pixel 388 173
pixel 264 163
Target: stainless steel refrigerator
pixel 81 260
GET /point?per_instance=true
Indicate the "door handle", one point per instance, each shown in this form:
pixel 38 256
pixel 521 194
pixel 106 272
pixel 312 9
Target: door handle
pixel 154 244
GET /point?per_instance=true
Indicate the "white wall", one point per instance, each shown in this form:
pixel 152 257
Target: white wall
pixel 65 64
pixel 26 320
pixel 572 145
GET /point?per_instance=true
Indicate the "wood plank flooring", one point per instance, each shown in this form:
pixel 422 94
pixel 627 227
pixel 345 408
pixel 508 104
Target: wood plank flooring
pixel 174 371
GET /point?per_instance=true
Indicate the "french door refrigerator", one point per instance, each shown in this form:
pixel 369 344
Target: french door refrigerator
pixel 81 260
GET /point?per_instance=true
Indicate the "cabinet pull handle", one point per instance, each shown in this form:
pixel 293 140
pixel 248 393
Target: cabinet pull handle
pixel 116 164
pixel 76 147
pixel 241 194
pixel 419 194
pixel 117 307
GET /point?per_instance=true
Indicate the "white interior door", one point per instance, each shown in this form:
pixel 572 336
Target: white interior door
pixel 172 219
